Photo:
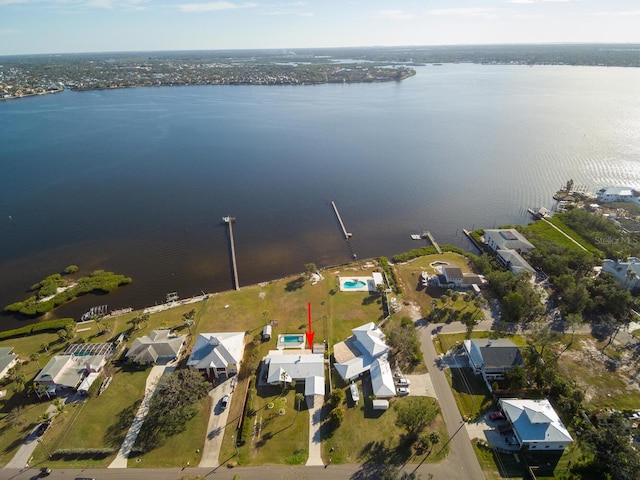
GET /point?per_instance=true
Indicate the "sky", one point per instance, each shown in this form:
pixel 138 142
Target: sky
pixel 64 26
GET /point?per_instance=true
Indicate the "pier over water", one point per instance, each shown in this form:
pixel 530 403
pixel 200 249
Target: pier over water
pixel 229 221
pixel 347 235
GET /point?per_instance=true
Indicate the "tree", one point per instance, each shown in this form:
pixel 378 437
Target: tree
pixel 44 347
pixel 16 416
pixel 71 269
pixel 569 186
pixel 336 397
pixel 310 269
pixel 35 357
pixel 62 334
pixel 414 414
pixel 337 416
pixel 516 378
pixel 299 400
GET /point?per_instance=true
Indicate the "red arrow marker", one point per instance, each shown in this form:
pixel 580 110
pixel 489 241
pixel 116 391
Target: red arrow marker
pixel 310 332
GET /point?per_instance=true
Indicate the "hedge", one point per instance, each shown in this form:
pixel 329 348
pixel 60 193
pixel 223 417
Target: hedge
pixel 47 326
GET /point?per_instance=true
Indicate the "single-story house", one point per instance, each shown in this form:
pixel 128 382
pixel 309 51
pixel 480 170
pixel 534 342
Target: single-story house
pixel 288 365
pixel 217 354
pixel 507 239
pixel 366 351
pixel 536 424
pixel 7 360
pixel 492 358
pixel 158 346
pixel 626 273
pixel 67 372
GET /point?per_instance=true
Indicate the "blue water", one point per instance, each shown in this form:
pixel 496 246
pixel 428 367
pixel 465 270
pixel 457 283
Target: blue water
pixel 136 181
pixel 354 284
pixel 292 338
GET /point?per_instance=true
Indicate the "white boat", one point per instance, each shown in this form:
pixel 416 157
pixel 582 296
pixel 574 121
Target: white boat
pixel 354 392
pixel 415 236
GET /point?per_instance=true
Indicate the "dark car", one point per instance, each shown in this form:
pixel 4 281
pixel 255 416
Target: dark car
pixel 45 471
pixel 42 428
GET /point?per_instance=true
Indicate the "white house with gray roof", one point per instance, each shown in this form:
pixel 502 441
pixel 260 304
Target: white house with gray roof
pixel 618 194
pixel 536 424
pixel 157 347
pixel 67 372
pixel 287 365
pixel 492 358
pixel 217 354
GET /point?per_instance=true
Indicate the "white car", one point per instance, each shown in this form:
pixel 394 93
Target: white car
pixel 402 391
pixel 403 382
pixel 355 395
pixel 224 403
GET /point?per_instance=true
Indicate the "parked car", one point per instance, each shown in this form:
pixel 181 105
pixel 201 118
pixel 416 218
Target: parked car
pixel 42 428
pixel 402 391
pixel 224 403
pixel 496 416
pixel 403 382
pixel 511 440
pixel 45 471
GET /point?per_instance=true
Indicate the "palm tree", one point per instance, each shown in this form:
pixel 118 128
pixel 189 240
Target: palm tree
pixel 299 400
pixel 35 357
pixel 44 347
pixel 15 416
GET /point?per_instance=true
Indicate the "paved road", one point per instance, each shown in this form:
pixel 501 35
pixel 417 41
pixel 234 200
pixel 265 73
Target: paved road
pixel 462 455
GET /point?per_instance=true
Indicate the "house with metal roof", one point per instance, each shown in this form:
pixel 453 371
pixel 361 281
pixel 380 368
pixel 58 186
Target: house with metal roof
pixel 7 360
pixel 366 351
pixel 626 273
pixel 67 372
pixel 157 347
pixel 507 239
pixel 217 354
pixel 536 424
pixel 286 365
pixel 492 358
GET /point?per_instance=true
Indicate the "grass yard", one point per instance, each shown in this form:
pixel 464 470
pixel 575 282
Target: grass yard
pixel 282 432
pixel 98 422
pixel 371 436
pixel 180 449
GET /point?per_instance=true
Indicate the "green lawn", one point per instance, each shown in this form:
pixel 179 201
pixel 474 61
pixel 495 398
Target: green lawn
pixel 99 422
pixel 547 232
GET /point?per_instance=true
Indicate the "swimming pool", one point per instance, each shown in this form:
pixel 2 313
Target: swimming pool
pixel 292 338
pixel 351 284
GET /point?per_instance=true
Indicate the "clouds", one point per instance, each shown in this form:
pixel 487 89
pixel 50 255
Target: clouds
pixel 213 6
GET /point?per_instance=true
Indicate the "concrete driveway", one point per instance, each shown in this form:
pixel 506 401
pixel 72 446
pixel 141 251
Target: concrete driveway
pixel 218 420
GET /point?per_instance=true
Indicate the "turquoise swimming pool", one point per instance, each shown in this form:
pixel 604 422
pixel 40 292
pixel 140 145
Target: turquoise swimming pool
pixel 352 284
pixel 292 338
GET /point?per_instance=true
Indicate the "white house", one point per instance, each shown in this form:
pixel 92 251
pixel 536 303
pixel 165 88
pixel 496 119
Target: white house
pixel 7 360
pixel 216 354
pixel 626 273
pixel 618 194
pixel 492 358
pixel 453 277
pixel 67 372
pixel 512 260
pixel 158 346
pixel 288 365
pixel 366 351
pixel 507 239
pixel 536 424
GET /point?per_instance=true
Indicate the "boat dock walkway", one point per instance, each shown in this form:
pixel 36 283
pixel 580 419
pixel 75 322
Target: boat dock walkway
pixel 473 240
pixel 427 234
pixel 347 235
pixel 229 221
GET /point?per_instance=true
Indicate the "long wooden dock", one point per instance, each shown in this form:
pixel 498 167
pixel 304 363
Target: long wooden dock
pixel 347 235
pixel 229 221
pixel 427 234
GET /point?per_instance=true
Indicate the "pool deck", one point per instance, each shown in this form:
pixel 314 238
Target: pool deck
pixel 281 344
pixel 367 287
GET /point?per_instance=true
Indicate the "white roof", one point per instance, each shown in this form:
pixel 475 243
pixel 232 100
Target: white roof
pixel 508 238
pixel 382 379
pixel 295 366
pixel 516 263
pixel 371 338
pixel 314 386
pixel 535 421
pixel 217 350
pixel 377 278
pixel 88 381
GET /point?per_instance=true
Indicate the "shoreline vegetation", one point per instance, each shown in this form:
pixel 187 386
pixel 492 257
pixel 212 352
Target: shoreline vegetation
pixel 29 75
pixel 59 289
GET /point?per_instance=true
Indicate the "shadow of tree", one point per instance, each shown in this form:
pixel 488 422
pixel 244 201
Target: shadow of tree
pixel 117 431
pixel 380 460
pixel 371 299
pixel 295 284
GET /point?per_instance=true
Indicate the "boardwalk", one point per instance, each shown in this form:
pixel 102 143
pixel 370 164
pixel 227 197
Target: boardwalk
pixel 229 221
